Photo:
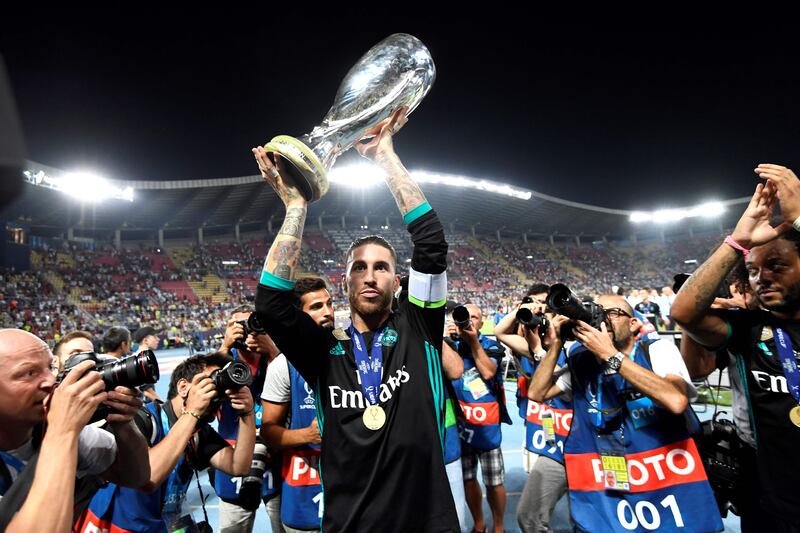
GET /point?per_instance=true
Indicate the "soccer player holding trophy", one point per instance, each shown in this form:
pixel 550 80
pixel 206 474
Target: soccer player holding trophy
pixel 378 383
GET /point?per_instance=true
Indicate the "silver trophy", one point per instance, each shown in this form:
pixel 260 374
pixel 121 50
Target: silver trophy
pixel 396 72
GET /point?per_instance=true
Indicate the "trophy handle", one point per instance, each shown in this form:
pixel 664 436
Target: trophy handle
pixel 305 169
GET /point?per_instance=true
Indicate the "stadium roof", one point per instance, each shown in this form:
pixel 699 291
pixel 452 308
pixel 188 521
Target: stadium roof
pixel 217 205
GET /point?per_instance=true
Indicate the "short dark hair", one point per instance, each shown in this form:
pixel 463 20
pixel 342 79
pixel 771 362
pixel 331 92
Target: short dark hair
pixel 538 288
pixel 793 236
pixel 77 334
pixel 114 337
pixel 306 284
pixel 244 308
pixel 191 366
pixel 371 239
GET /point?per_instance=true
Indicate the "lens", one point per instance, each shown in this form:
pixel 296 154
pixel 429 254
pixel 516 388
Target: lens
pixel 526 317
pixel 131 371
pixel 234 375
pixel 561 300
pixel 259 464
pixel 461 317
pixel 254 325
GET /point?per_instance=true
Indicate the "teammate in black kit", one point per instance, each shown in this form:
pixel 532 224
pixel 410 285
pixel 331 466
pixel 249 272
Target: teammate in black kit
pixel 762 341
pixel 378 384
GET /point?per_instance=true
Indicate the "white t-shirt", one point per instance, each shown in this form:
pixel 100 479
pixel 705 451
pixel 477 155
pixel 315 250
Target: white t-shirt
pixel 97 451
pixel 665 359
pixel 277 385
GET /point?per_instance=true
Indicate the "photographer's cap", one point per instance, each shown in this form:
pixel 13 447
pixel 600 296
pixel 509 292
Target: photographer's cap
pixel 141 333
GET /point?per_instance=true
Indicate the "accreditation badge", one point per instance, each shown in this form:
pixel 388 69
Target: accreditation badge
pixel 615 472
pixel 549 428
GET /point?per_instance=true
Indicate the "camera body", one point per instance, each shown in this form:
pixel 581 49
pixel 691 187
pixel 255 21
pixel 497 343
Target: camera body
pixel 250 325
pixel 232 376
pixel 562 301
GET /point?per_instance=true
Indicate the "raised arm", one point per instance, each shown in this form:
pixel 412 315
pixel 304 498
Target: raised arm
pixel 427 285
pixel 691 308
pixel 302 341
pixel 543 384
pixel 284 253
pixel 380 149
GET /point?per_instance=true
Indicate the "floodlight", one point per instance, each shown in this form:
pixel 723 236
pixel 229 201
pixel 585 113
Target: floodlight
pixel 663 216
pixel 83 185
pixel 367 175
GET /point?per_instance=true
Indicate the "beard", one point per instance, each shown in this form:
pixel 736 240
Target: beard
pixel 371 309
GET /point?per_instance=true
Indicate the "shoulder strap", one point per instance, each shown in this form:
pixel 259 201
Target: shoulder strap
pixel 15 496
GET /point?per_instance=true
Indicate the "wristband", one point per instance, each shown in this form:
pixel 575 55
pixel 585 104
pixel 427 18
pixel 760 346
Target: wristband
pixel 796 224
pixel 736 246
pixel 185 412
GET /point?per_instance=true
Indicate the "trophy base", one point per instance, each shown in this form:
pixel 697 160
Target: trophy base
pixel 305 169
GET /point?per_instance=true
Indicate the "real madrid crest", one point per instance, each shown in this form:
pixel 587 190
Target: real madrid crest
pixel 389 337
pixel 766 334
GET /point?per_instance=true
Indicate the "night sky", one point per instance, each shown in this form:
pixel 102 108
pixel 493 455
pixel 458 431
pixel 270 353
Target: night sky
pixel 626 116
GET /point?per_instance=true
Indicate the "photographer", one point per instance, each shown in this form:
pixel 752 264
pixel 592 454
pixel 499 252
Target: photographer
pixel 760 339
pixel 238 504
pixel 629 457
pixel 182 443
pixel 547 423
pixel 71 453
pixel 480 394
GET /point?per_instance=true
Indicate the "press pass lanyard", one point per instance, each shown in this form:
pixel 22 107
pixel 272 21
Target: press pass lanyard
pixel 370 368
pixel 608 415
pixel 176 490
pixel 788 362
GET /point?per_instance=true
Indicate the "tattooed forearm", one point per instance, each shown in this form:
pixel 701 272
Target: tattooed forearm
pixel 406 192
pixel 294 222
pixel 284 253
pixel 283 256
pixel 705 281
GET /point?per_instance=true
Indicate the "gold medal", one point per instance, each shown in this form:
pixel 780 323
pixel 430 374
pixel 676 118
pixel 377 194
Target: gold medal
pixel 374 417
pixel 794 415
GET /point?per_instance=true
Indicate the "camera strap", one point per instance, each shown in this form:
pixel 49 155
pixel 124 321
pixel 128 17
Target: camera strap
pixel 175 491
pixel 199 488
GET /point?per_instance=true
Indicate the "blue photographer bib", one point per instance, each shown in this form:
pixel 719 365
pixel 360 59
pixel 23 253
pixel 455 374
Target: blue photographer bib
pixel 631 472
pixel 301 500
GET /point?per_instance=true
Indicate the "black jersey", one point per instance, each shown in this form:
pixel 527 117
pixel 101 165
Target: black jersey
pixel 752 345
pixel 392 479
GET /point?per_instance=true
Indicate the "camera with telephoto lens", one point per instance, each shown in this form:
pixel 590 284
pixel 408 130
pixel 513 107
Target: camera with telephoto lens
pixel 132 371
pixel 251 325
pixel 250 492
pixel 561 301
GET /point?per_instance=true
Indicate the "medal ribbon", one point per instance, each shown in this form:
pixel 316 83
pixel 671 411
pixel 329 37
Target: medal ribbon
pixel 788 362
pixel 370 367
